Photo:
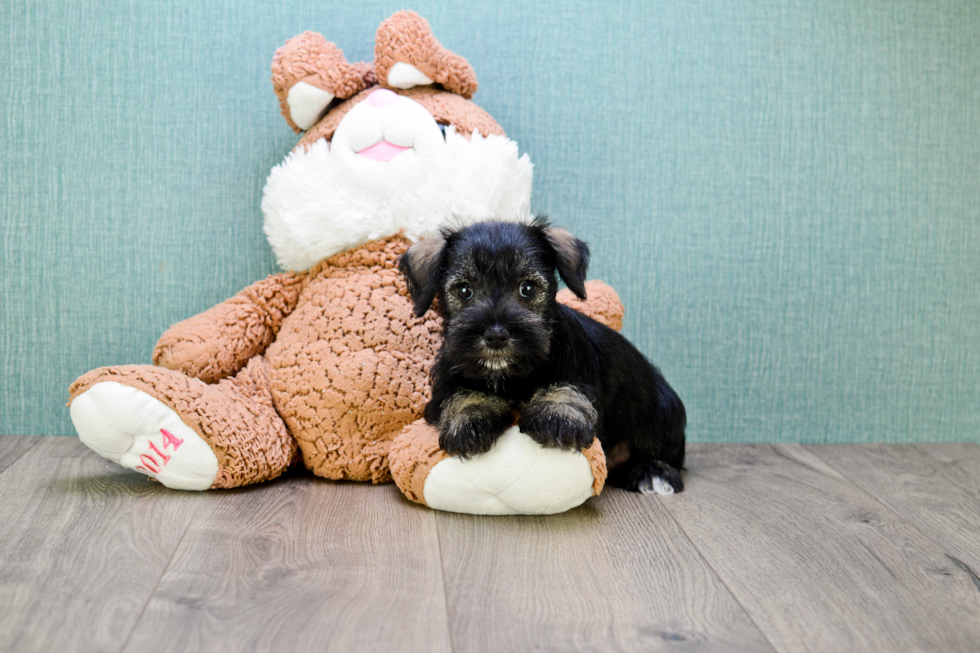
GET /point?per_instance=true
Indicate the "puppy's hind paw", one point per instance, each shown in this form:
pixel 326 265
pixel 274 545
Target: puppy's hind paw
pixel 658 478
pixel 655 485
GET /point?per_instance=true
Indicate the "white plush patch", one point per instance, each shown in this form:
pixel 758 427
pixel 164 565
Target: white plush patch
pixel 516 477
pixel 306 104
pixel 405 76
pixel 141 433
pixel 656 485
pixel 328 199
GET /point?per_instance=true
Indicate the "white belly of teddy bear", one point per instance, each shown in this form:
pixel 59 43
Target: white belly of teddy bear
pixel 516 477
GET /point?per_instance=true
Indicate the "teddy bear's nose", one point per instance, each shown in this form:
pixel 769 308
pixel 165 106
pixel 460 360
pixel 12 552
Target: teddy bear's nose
pixel 382 98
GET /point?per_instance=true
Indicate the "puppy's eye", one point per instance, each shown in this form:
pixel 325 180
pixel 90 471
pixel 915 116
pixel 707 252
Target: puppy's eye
pixel 463 291
pixel 528 288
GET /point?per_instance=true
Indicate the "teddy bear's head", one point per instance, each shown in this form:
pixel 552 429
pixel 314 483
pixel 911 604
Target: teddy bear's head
pixel 393 145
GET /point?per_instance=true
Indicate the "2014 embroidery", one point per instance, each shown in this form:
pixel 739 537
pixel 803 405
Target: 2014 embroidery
pixel 150 464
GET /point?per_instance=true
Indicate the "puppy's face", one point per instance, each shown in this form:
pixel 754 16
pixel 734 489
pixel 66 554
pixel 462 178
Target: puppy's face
pixel 496 283
pixel 497 296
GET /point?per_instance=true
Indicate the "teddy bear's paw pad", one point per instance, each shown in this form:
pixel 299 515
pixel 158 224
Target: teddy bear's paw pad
pixel 142 433
pixel 516 477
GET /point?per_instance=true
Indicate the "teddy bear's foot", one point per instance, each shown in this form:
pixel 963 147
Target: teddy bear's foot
pixel 516 477
pixel 142 433
pixel 308 72
pixel 185 433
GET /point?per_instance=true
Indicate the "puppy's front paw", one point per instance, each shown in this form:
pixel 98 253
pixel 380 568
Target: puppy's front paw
pixel 550 428
pixel 471 422
pixel 469 435
pixel 559 416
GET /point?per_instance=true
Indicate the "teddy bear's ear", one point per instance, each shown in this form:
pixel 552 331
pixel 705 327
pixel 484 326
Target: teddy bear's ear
pixel 421 265
pixel 406 54
pixel 308 72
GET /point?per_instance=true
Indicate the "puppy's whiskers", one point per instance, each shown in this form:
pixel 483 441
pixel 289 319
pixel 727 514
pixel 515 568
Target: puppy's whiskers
pixel 495 364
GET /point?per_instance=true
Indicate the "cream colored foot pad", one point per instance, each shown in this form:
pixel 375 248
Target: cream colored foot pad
pixel 142 433
pixel 516 477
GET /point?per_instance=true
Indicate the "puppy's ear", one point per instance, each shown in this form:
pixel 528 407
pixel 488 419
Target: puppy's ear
pixel 421 265
pixel 571 258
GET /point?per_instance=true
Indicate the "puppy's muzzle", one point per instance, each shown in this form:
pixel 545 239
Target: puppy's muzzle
pixel 496 337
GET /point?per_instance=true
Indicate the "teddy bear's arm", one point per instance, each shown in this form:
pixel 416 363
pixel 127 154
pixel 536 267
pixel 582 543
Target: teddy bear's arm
pixel 221 340
pixel 602 305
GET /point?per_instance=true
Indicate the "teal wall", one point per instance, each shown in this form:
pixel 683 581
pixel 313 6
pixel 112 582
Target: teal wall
pixel 786 193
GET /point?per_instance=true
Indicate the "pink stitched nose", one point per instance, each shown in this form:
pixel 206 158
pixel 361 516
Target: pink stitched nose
pixel 382 98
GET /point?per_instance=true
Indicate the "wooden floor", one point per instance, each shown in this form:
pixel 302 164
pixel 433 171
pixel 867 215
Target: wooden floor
pixel 786 547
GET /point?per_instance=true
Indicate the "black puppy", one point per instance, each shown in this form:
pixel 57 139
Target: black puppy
pixel 509 345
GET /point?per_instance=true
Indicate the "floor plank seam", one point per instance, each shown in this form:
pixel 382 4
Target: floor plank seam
pixel 873 498
pixel 721 580
pixel 942 546
pixel 445 590
pixel 156 586
pixel 22 453
pixel 954 481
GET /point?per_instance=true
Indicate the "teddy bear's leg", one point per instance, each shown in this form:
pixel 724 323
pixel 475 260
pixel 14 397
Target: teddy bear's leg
pixel 181 431
pixel 516 477
pixel 602 305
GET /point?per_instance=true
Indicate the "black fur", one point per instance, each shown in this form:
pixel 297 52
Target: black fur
pixel 570 377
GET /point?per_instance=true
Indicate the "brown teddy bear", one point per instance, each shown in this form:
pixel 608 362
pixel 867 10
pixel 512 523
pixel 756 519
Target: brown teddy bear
pixel 325 362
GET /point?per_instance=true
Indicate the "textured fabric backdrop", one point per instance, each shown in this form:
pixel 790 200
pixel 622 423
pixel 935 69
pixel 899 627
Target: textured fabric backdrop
pixel 785 193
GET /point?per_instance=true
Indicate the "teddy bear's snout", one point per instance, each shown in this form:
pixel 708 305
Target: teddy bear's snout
pixel 384 127
pixel 382 98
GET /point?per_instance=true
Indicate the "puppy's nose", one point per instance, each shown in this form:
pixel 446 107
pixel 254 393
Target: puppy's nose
pixel 496 337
